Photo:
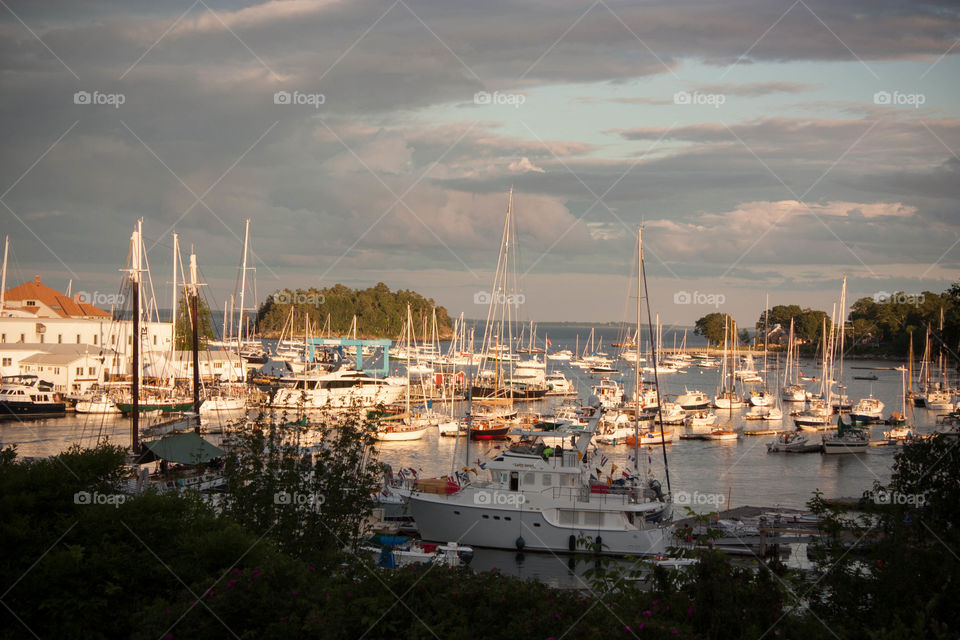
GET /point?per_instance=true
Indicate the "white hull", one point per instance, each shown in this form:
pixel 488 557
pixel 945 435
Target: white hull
pixel 336 399
pixel 401 434
pixel 501 527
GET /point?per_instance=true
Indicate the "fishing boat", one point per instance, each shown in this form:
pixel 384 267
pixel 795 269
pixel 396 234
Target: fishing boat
pixel 27 396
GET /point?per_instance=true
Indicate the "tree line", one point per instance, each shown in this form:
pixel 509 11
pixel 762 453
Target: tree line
pixel 380 312
pixel 881 324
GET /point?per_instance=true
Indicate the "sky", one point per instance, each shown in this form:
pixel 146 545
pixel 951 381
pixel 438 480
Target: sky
pixel 767 148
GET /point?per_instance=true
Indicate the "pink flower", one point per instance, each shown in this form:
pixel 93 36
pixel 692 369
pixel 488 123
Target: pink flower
pixel 235 571
pixel 647 613
pixel 690 610
pixel 231 583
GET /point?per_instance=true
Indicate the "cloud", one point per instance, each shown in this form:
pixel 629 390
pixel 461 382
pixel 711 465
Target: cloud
pixel 524 165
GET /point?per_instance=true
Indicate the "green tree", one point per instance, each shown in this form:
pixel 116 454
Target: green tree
pixel 888 568
pixel 184 328
pixel 711 326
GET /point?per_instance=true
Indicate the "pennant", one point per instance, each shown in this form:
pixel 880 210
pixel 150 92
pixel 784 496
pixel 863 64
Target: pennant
pixel 603 461
pixel 625 474
pixel 473 471
pixel 579 456
pixel 613 468
pixel 483 465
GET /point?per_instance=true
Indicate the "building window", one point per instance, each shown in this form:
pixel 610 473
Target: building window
pixel 41 338
pixel 30 303
pixel 23 337
pixel 78 338
pixel 91 371
pixel 94 339
pixel 7 362
pixel 3 338
pixel 59 338
pixel 79 371
pixel 154 339
pixel 113 339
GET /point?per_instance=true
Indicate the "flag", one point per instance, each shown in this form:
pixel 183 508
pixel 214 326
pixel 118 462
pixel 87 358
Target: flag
pixel 625 474
pixel 483 465
pixel 603 461
pixel 549 343
pixel 579 456
pixel 613 468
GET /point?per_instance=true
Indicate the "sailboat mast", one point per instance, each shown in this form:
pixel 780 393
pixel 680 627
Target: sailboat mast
pixel 135 342
pixel 173 302
pixel 194 321
pixel 656 377
pixel 3 274
pixel 243 280
pixel 636 384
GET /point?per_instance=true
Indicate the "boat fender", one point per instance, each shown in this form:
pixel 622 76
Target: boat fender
pixel 572 542
pixel 521 543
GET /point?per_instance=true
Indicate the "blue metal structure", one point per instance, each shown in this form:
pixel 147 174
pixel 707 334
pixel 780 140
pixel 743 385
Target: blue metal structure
pixel 340 343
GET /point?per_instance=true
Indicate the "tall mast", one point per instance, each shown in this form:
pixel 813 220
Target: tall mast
pixel 656 377
pixel 636 384
pixel 243 280
pixel 3 274
pixel 195 323
pixel 173 301
pixel 135 266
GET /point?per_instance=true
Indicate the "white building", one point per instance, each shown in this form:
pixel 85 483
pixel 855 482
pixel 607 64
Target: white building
pixel 70 368
pixel 214 365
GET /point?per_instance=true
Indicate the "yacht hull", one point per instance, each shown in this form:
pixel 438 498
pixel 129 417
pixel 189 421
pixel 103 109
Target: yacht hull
pixel 440 519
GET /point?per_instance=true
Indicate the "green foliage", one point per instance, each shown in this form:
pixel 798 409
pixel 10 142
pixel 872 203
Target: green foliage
pixel 711 326
pixel 888 323
pixel 807 323
pixel 890 564
pixel 380 312
pixel 311 501
pixel 184 328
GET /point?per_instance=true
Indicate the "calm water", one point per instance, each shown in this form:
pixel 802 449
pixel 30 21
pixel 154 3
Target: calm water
pixel 711 474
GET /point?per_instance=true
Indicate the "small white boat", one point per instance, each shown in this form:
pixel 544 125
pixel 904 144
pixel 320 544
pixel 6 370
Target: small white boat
pixel 451 428
pixel 793 442
pixel 218 404
pixel 761 399
pixel 867 409
pixel 763 413
pixel 725 432
pixel 700 422
pixel 793 393
pixel 691 400
pixel 99 404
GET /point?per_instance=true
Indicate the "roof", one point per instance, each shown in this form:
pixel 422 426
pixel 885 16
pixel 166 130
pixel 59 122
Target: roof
pixel 185 448
pixel 56 358
pixel 47 347
pixel 62 305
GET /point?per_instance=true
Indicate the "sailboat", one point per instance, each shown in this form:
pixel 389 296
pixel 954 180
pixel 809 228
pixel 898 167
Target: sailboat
pixel 792 391
pixel 727 397
pixel 402 426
